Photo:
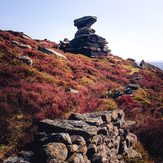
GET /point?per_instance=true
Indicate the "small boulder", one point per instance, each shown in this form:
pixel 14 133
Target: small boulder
pixel 25 59
pixel 97 121
pixel 50 51
pixel 133 86
pixel 17 160
pixel 133 154
pixel 79 140
pixel 76 158
pixel 53 152
pixel 25 154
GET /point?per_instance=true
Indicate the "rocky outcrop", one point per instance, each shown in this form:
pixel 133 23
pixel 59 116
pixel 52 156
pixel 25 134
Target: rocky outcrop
pixel 128 91
pixel 144 64
pixel 21 45
pixel 98 137
pixel 86 41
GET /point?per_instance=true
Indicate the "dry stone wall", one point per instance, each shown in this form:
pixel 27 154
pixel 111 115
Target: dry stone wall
pixel 99 137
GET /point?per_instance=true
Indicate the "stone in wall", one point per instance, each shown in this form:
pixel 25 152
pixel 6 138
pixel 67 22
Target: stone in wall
pixel 98 137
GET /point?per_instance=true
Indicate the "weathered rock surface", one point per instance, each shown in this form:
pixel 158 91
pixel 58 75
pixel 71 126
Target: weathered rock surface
pixel 17 160
pixel 86 41
pixel 144 64
pixel 53 152
pixel 21 44
pixel 83 138
pixel 129 90
pixel 25 59
pixel 50 51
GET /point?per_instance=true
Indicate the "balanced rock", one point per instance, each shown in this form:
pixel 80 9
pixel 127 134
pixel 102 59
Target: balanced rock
pixel 86 41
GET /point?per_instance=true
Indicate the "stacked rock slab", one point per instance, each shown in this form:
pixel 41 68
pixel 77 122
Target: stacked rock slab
pixel 86 41
pixel 99 137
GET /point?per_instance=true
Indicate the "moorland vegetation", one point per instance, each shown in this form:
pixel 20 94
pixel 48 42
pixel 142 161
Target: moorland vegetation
pixel 30 93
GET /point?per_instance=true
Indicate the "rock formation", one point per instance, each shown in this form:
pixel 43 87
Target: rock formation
pixel 86 41
pixel 99 137
pixel 144 64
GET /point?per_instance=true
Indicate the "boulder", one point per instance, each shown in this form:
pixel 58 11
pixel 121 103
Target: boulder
pixel 25 59
pixel 144 64
pixel 56 137
pixel 53 152
pixel 21 45
pixel 72 90
pixel 15 42
pixel 69 126
pixel 72 148
pixel 97 121
pixel 25 154
pixel 130 59
pixel 50 51
pixel 24 36
pixel 17 160
pixel 133 86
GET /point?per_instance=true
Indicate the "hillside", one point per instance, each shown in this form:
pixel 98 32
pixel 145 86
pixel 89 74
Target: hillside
pixel 55 84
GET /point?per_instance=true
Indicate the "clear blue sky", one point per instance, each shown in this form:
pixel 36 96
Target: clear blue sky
pixel 133 28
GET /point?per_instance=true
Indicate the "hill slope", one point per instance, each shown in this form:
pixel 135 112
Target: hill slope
pixel 29 93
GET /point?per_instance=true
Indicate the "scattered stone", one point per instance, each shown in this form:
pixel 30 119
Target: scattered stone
pixel 133 86
pixel 50 51
pixel 25 154
pixel 15 42
pixel 72 90
pixel 24 36
pixel 17 160
pixel 130 59
pixel 25 59
pixel 21 45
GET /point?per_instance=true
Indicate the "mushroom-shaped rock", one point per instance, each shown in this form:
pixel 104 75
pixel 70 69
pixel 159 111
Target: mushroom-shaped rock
pixel 86 21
